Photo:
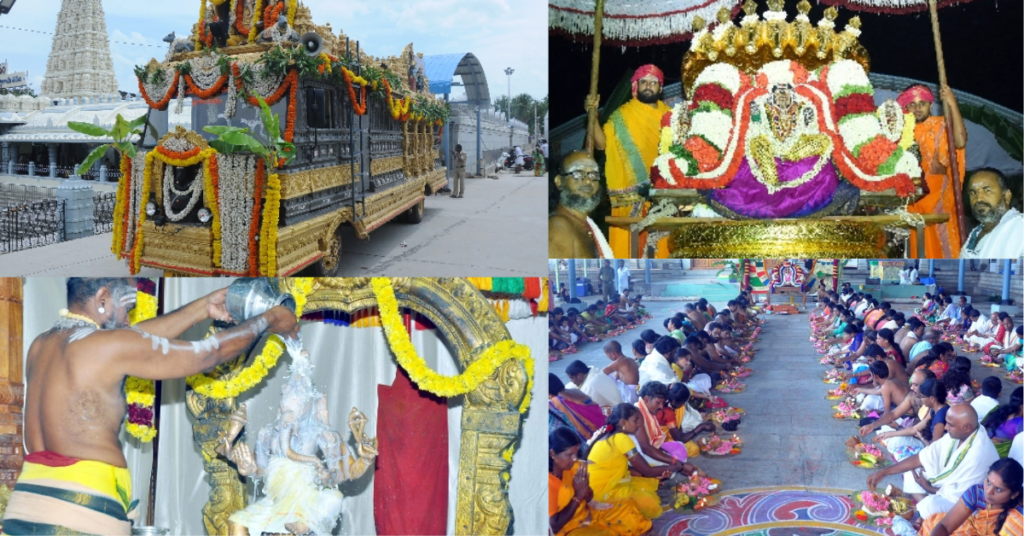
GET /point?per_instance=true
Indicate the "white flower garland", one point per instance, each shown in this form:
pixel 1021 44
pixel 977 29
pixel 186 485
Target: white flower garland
pixel 262 86
pixel 859 129
pixel 723 74
pixel 195 189
pixel 892 132
pixel 237 190
pixel 232 102
pixel 134 199
pixel 714 125
pixel 205 71
pixel 845 73
pixel 628 20
pixel 179 102
pixel 178 145
pixel 605 251
pixel 157 92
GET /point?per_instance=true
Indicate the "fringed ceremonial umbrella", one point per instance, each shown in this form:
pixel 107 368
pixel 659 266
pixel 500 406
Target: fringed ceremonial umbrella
pixel 917 6
pixel 628 23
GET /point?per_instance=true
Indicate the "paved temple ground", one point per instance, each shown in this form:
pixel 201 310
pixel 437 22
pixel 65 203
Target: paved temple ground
pixel 498 229
pixel 789 437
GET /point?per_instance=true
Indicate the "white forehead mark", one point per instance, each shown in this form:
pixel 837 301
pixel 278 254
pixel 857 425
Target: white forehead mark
pixel 81 333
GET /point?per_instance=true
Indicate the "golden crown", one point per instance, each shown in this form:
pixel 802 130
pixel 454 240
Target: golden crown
pixel 760 40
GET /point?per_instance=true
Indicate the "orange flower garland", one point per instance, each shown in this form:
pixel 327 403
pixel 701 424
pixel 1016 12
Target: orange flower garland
pixel 254 224
pixel 347 76
pixel 215 89
pixel 240 18
pixel 120 208
pixel 270 15
pixel 289 129
pixel 212 191
pixel 162 103
pixel 184 155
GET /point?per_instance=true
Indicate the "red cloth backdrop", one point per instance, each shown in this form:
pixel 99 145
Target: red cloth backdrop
pixel 410 495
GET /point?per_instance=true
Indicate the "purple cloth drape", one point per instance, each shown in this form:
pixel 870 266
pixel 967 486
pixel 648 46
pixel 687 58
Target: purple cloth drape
pixel 745 195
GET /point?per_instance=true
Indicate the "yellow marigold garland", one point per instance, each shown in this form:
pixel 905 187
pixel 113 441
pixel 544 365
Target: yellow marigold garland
pixel 429 380
pixel 256 14
pixel 268 234
pixel 542 303
pixel 210 192
pixel 137 390
pixel 136 254
pixel 117 246
pixel 292 6
pixel 202 21
pixel 250 376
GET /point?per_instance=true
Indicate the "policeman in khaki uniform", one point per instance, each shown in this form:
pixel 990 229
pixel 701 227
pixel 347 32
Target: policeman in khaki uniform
pixel 459 158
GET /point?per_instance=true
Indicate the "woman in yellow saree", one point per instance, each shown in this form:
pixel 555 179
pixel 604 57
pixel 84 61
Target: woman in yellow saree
pixel 572 510
pixel 618 472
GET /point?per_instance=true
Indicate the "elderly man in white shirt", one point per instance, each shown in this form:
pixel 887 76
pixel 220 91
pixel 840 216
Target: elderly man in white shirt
pixel 600 387
pixel 998 235
pixel 656 366
pixel 983 328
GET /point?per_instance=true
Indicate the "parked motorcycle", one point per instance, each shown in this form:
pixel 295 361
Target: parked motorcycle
pixel 510 162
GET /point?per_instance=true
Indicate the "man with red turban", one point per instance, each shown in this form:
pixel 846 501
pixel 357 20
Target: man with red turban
pixel 630 142
pixel 941 241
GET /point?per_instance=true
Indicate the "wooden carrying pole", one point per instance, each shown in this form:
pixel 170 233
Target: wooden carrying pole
pixel 953 169
pixel 595 63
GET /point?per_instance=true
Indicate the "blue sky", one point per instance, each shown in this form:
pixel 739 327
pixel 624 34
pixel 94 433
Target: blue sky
pixel 501 33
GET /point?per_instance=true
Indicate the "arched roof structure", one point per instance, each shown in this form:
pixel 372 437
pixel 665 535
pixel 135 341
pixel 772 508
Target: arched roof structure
pixel 442 68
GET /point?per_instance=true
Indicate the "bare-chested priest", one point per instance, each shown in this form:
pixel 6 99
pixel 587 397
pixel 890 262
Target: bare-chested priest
pixel 75 479
pixel 571 232
pixel 624 369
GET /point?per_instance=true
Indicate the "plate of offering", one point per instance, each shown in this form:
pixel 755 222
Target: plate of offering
pixel 714 445
pixel 834 376
pixel 847 409
pixel 725 415
pixel 838 393
pixel 866 456
pixel 740 372
pixel 731 385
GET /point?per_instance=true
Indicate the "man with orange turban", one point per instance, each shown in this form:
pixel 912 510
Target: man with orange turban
pixel 630 142
pixel 941 241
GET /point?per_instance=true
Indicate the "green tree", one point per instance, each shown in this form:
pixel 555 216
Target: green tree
pixel 121 133
pixel 501 105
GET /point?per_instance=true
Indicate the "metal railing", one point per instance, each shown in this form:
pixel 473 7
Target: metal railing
pixel 103 212
pixel 35 224
pixel 20 194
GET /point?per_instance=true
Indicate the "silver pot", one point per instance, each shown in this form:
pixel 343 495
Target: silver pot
pixel 249 297
pixel 150 531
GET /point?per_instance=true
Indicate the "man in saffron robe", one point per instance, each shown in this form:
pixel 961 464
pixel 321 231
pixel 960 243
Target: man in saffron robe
pixel 941 241
pixel 630 142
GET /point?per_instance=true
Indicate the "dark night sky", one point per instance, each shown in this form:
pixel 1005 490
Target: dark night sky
pixel 983 43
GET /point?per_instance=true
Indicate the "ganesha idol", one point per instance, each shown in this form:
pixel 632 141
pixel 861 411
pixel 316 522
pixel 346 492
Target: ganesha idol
pixel 785 142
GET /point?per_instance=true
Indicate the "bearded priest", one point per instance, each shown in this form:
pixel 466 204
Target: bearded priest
pixel 630 142
pixel 571 232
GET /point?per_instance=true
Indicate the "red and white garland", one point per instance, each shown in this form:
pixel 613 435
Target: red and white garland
pixel 719 129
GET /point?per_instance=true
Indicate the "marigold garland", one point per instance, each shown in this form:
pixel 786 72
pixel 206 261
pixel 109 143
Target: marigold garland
pixel 256 13
pixel 202 22
pixel 140 394
pixel 214 90
pixel 136 254
pixel 351 78
pixel 430 381
pixel 268 233
pixel 271 13
pixel 211 180
pixel 253 374
pixel 240 18
pixel 162 103
pixel 120 211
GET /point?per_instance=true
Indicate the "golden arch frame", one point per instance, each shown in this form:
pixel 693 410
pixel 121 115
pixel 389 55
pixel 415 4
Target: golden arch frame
pixel 491 421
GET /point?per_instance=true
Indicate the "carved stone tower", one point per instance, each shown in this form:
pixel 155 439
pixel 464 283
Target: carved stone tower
pixel 79 63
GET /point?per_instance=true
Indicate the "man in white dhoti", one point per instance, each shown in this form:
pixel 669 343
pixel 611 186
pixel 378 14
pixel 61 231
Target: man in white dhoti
pixel 622 277
pixel 656 367
pixel 600 387
pixel 983 328
pixel 623 370
pixel 957 461
pixel 998 235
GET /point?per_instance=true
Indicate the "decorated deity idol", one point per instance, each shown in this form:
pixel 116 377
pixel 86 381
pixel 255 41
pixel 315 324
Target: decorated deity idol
pixel 787 274
pixel 279 33
pixel 301 458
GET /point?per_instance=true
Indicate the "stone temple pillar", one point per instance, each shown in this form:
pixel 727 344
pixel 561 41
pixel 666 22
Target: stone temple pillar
pixel 52 149
pixel 12 390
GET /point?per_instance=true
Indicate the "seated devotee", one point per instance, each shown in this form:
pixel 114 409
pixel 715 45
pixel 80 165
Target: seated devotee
pixel 639 353
pixel 1005 422
pixel 885 394
pixel 611 312
pixel 75 479
pixel 992 507
pixel 951 313
pixel 1009 355
pixel 649 337
pixel 850 348
pixel 656 367
pixel 951 465
pixel 594 323
pixel 701 360
pixel 625 371
pixel 618 471
pixel 991 388
pixel 935 360
pixel 576 326
pixel 927 307
pixel 958 328
pixel 681 421
pixel 892 350
pixel 907 414
pixel 569 496
pixel 625 310
pixel 914 336
pixel 1000 227
pixel 559 336
pixel 876 314
pixel 709 346
pixel 697 382
pixel 958 381
pixel 594 383
pixel 655 444
pixel 891 321
pixel 921 347
pixel 1002 335
pixel 723 341
pixel 710 308
pixel 694 316
pixel 674 330
pixel 983 327
pixel 574 407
